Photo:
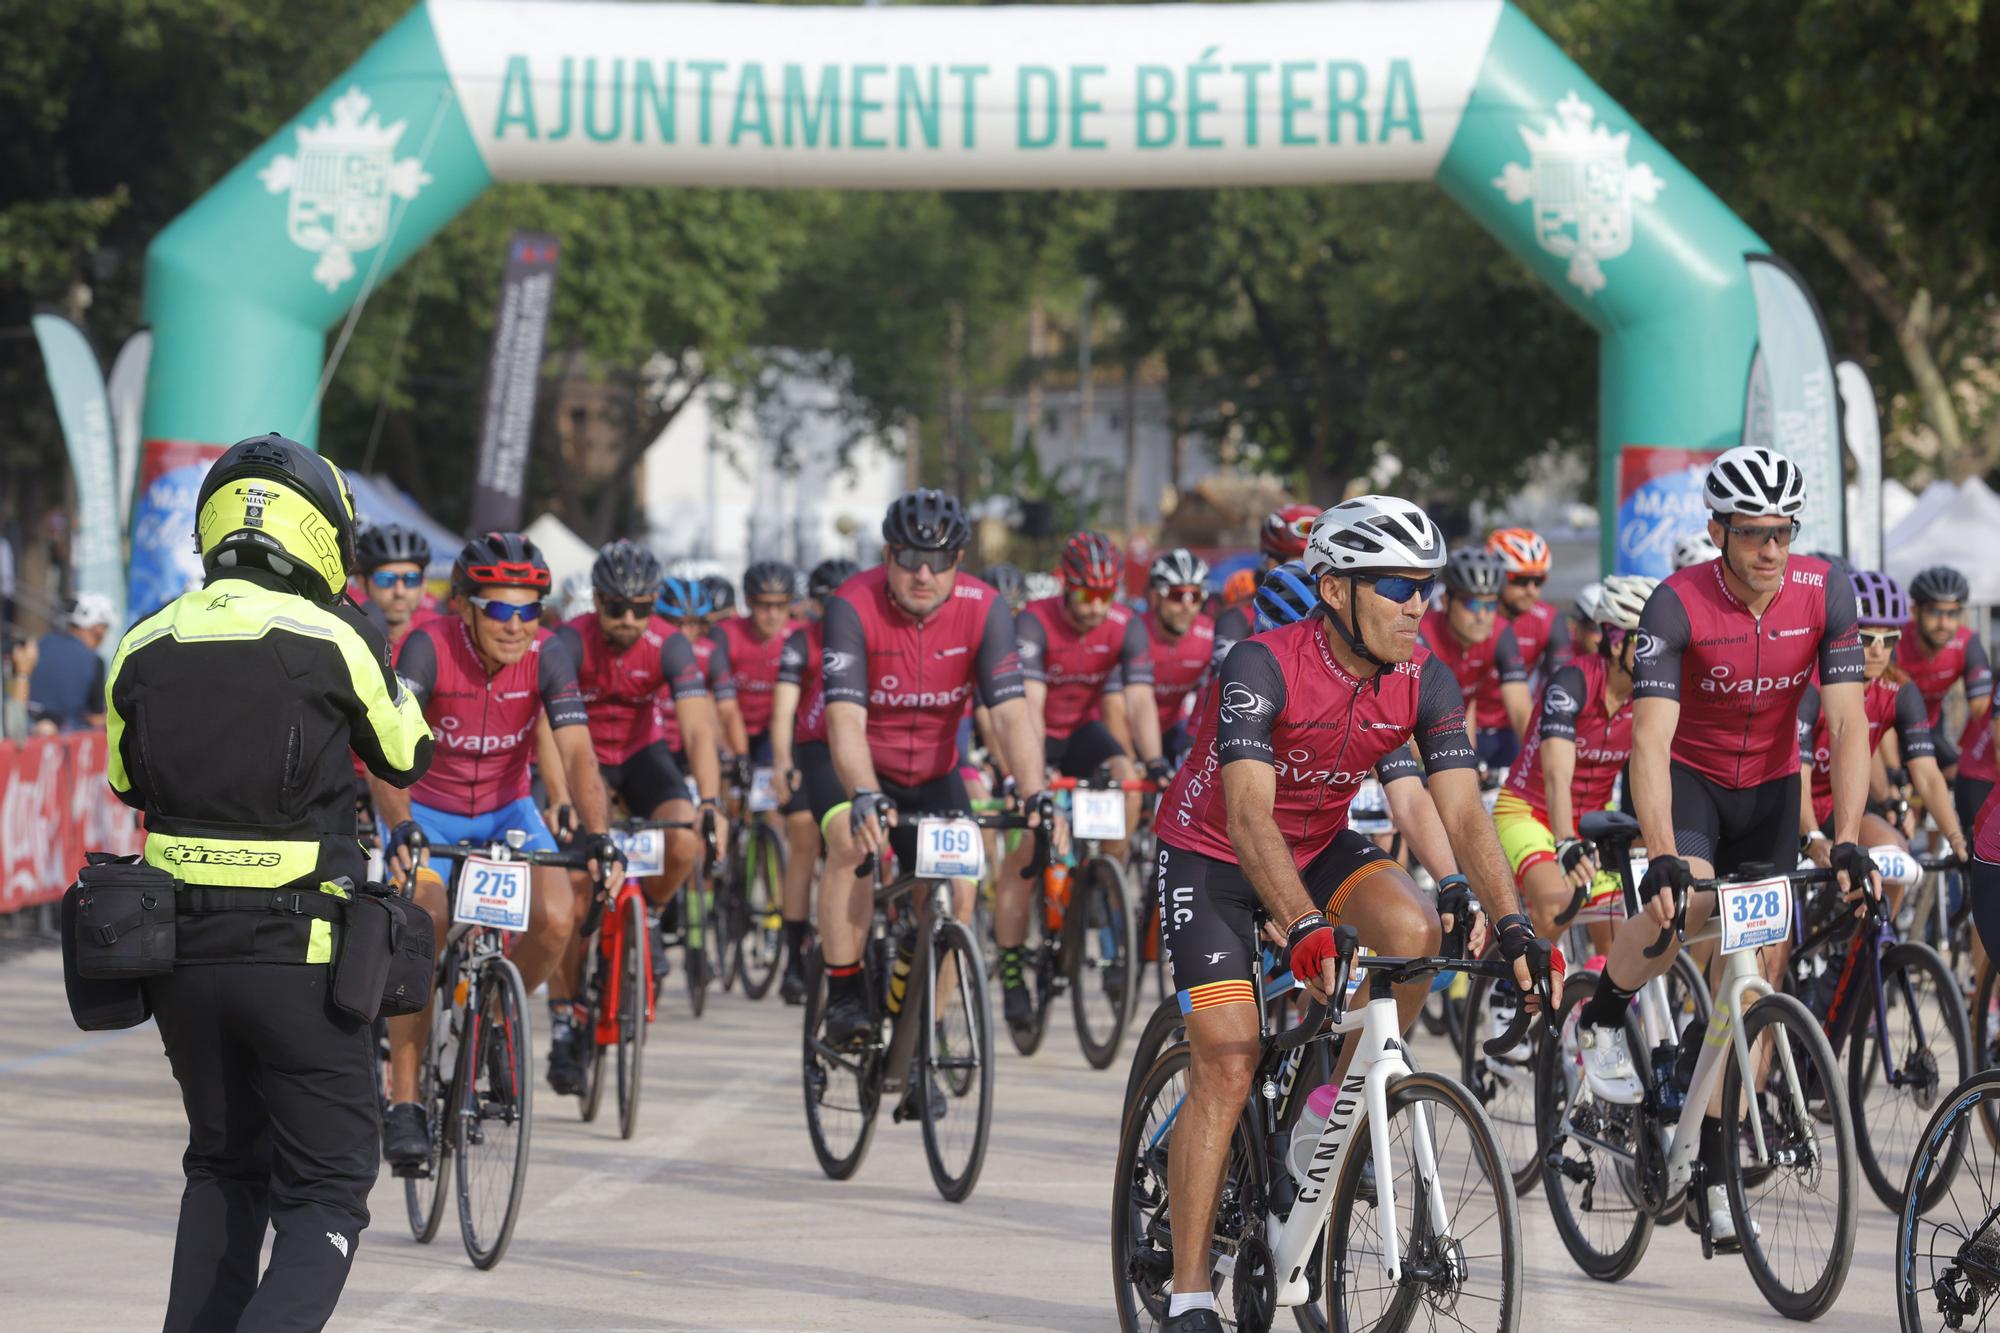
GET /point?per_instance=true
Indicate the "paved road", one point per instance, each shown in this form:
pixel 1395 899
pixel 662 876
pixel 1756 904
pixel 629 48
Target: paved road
pixel 714 1216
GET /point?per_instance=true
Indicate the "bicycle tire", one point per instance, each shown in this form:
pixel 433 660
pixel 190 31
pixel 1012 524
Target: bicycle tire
pixel 1917 1282
pixel 1986 1044
pixel 725 921
pixel 1141 1228
pixel 760 950
pixel 1809 1041
pixel 1102 921
pixel 498 1060
pixel 631 1014
pixel 697 918
pixel 591 1099
pixel 940 1058
pixel 822 1074
pixel 1943 1061
pixel 1487 1077
pixel 1342 1251
pixel 437 1093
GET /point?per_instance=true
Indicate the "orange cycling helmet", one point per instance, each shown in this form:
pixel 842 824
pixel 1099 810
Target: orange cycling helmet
pixel 1283 536
pixel 1522 550
pixel 1239 588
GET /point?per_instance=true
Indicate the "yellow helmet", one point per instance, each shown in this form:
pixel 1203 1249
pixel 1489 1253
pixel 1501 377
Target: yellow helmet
pixel 274 503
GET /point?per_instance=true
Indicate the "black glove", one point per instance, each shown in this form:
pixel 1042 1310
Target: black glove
pixel 1666 872
pixel 866 805
pixel 406 835
pixel 1856 862
pixel 1570 851
pixel 1899 778
pixel 1514 934
pixel 606 852
pixel 1159 770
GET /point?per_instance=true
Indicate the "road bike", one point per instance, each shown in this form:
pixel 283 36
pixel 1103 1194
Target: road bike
pixel 1948 1232
pixel 751 891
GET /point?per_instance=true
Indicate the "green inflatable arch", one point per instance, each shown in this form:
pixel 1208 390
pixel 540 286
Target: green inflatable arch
pixel 242 289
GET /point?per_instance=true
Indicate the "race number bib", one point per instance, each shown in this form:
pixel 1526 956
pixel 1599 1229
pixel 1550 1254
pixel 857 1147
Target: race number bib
pixel 1754 914
pixel 1097 814
pixel 1895 865
pixel 492 893
pixel 762 799
pixel 1639 864
pixel 645 851
pixel 950 849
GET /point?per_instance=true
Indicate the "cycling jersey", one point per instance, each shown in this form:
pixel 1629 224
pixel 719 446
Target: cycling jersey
pixel 914 676
pixel 1522 646
pixel 618 687
pixel 799 664
pixel 1975 757
pixel 1475 666
pixel 1232 625
pixel 1080 666
pixel 485 725
pixel 1739 676
pixel 1572 708
pixel 713 658
pixel 1179 665
pixel 1986 834
pixel 754 663
pixel 1887 704
pixel 1963 657
pixel 1283 699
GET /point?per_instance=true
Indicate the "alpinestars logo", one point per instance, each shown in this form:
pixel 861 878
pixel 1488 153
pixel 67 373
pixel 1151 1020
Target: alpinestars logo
pixel 1240 702
pixel 181 854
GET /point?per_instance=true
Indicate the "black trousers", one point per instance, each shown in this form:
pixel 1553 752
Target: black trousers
pixel 284 1129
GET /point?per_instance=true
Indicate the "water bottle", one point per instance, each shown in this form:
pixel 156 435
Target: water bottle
pixel 1305 1134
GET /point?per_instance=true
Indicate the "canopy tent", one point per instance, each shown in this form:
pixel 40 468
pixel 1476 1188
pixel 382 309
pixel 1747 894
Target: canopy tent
pixel 1897 502
pixel 1918 516
pixel 1949 530
pixel 569 555
pixel 379 500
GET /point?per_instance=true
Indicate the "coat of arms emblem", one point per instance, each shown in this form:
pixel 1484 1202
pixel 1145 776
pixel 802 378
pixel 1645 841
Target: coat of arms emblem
pixel 1582 190
pixel 342 183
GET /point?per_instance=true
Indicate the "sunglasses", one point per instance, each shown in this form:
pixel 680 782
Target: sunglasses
pixel 1400 588
pixel 1185 596
pixel 502 612
pixel 1091 594
pixel 770 603
pixel 388 578
pixel 1614 637
pixel 1940 612
pixel 1479 606
pixel 638 610
pixel 1881 638
pixel 1526 580
pixel 1782 534
pixel 912 559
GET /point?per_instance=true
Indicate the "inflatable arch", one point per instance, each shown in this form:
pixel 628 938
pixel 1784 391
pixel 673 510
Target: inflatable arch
pixel 243 288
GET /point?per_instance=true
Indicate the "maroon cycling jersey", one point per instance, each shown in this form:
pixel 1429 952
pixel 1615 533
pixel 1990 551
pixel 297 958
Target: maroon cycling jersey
pixel 1887 704
pixel 619 687
pixel 1986 829
pixel 1472 665
pixel 1573 708
pixel 754 663
pixel 1963 657
pixel 1284 699
pixel 1523 645
pixel 485 725
pixel 915 676
pixel 1179 665
pixel 1080 666
pixel 713 659
pixel 799 664
pixel 1738 676
pixel 1975 754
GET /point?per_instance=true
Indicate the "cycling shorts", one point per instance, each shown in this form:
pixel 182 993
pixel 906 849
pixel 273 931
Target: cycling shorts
pixel 1529 842
pixel 1967 795
pixel 1209 909
pixel 647 780
pixel 441 827
pixel 1735 827
pixel 1497 748
pixel 760 757
pixel 1081 753
pixel 827 798
pixel 1985 888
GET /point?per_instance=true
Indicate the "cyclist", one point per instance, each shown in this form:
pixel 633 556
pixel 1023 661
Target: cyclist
pixel 1233 613
pixel 1725 650
pixel 1584 631
pixel 686 605
pixel 481 677
pixel 1937 651
pixel 721 598
pixel 1463 634
pixel 624 658
pixel 1298 718
pixel 392 559
pixel 1182 640
pixel 1008 581
pixel 1540 634
pixel 1697 548
pixel 906 644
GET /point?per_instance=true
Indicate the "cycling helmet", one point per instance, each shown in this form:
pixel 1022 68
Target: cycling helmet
pixel 1284 534
pixel 272 502
pixel 1622 600
pixel 828 575
pixel 768 578
pixel 1041 585
pixel 1878 599
pixel 390 544
pixel 1009 582
pixel 682 598
pixel 1239 587
pixel 927 520
pixel 499 560
pixel 721 594
pixel 1089 560
pixel 1589 604
pixel 625 569
pixel 1940 583
pixel 1521 550
pixel 1473 571
pixel 1755 482
pixel 1697 548
pixel 1178 568
pixel 1286 597
pixel 1373 532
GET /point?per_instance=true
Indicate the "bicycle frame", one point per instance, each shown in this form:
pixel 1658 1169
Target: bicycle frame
pixel 610 937
pixel 933 909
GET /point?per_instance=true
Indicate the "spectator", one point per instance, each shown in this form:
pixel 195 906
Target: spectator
pixel 67 686
pixel 20 666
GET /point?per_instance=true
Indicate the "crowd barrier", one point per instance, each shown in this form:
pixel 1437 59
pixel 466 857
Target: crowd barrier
pixel 55 805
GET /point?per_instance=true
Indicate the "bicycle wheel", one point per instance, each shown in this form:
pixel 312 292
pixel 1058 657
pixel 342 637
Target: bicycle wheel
pixel 1102 967
pixel 698 919
pixel 760 951
pixel 1452 1210
pixel 495 1113
pixel 591 1099
pixel 631 1013
pixel 726 924
pixel 1796 1209
pixel 955 1051
pixel 1986 1045
pixel 1946 1277
pixel 437 1093
pixel 1929 1049
pixel 1504 1084
pixel 1590 1153
pixel 1142 1247
pixel 843 1089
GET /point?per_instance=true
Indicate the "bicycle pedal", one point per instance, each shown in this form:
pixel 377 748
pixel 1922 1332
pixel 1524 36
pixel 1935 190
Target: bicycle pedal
pixel 412 1171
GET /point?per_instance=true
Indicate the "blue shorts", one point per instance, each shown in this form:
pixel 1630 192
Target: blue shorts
pixel 443 827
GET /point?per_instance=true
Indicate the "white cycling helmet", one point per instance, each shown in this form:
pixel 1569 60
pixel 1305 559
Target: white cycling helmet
pixel 1697 548
pixel 1178 568
pixel 1622 600
pixel 1373 532
pixel 1755 482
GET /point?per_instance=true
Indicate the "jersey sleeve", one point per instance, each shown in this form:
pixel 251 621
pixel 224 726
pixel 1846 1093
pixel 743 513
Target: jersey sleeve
pixel 1250 696
pixel 1978 671
pixel 1562 703
pixel 571 639
pixel 1135 658
pixel 1397 764
pixel 844 655
pixel 792 668
pixel 998 668
pixel 1552 651
pixel 1913 723
pixel 1808 722
pixel 679 669
pixel 721 671
pixel 556 679
pixel 417 664
pixel 1231 628
pixel 1663 638
pixel 1440 730
pixel 1840 642
pixel 1032 640
pixel 1507 660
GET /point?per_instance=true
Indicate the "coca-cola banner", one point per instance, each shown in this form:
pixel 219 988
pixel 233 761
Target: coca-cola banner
pixel 55 806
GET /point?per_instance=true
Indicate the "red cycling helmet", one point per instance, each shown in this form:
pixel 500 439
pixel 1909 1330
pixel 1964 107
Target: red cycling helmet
pixel 1284 534
pixel 1089 560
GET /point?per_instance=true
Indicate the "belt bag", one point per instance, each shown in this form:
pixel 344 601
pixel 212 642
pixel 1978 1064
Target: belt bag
pixel 97 1004
pixel 124 920
pixel 386 964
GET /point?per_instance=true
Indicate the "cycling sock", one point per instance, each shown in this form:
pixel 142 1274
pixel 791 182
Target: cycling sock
pixel 1606 1007
pixel 1010 968
pixel 1180 1303
pixel 796 934
pixel 843 981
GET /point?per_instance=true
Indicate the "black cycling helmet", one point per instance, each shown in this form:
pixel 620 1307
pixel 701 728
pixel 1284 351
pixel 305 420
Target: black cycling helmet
pixel 927 520
pixel 390 544
pixel 768 578
pixel 1473 571
pixel 1009 582
pixel 830 574
pixel 721 594
pixel 1940 583
pixel 272 502
pixel 625 570
pixel 499 560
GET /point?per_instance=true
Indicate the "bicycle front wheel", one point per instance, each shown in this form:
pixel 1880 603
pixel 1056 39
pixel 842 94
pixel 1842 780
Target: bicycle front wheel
pixel 437 1092
pixel 1946 1277
pixel 1927 1045
pixel 1986 1045
pixel 495 1111
pixel 954 1073
pixel 1103 966
pixel 1142 1245
pixel 631 1012
pixel 843 1088
pixel 1445 1194
pixel 1796 1204
pixel 698 914
pixel 761 949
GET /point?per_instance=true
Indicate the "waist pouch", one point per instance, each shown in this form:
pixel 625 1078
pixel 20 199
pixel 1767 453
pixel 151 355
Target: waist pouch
pixel 123 925
pixel 97 1004
pixel 385 964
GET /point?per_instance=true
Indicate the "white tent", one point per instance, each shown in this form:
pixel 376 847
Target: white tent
pixel 1897 502
pixel 567 553
pixel 1918 517
pixel 1954 529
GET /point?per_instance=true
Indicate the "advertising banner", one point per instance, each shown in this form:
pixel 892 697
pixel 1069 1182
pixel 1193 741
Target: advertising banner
pixel 513 375
pixel 1792 405
pixel 77 382
pixel 1659 502
pixel 126 388
pixel 55 806
pixel 164 563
